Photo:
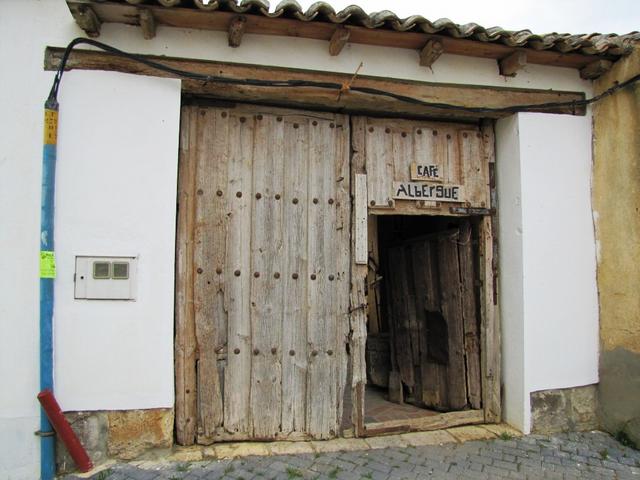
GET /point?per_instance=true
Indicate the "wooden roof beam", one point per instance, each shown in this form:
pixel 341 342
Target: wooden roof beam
pixel 338 40
pixel 108 11
pixel 431 52
pixel 236 30
pixel 511 64
pixel 595 69
pixel 86 18
pixel 147 23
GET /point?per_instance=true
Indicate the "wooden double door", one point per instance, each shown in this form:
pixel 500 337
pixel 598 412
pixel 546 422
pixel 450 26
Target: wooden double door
pixel 263 265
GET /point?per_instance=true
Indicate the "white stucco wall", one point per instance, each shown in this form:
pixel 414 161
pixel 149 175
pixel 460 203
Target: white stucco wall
pixel 548 286
pixel 90 336
pixel 116 196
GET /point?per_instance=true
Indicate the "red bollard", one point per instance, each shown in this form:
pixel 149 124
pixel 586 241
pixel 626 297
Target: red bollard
pixel 64 431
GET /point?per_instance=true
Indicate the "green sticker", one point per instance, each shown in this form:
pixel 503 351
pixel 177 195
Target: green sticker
pixel 47 264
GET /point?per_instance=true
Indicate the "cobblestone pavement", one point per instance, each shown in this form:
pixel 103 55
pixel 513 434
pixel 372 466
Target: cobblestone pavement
pixel 565 456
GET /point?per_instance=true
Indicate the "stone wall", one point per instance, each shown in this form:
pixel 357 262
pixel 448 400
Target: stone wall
pixel 122 435
pixel 616 204
pixel 564 410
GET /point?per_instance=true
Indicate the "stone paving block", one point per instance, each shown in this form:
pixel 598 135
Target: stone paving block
pixel 288 448
pixel 339 445
pixel 386 441
pixel 421 439
pixel 186 454
pixel 464 434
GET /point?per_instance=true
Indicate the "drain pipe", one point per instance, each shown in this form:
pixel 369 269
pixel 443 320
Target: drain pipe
pixel 47 276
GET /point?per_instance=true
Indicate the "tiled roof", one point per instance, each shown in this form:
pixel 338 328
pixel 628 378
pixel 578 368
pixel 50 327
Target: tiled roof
pixel 587 44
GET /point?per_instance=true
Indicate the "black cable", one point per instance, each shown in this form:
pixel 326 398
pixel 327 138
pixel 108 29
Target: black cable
pixel 53 94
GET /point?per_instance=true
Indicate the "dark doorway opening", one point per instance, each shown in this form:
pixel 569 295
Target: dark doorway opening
pixel 423 339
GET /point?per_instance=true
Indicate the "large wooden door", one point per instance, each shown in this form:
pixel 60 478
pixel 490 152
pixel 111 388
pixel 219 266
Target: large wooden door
pixel 433 314
pixel 262 271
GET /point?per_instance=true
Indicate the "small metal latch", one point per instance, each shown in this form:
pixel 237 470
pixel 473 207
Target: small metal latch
pixel 472 211
pixel 40 433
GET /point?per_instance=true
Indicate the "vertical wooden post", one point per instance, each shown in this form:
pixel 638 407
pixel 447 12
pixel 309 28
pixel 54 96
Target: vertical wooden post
pixel 185 348
pixel 358 299
pixel 490 322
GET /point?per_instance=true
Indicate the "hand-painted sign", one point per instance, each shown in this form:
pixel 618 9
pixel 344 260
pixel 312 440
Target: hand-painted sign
pixel 425 171
pixel 426 191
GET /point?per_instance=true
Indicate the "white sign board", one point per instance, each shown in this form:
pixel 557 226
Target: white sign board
pixel 425 171
pixel 426 191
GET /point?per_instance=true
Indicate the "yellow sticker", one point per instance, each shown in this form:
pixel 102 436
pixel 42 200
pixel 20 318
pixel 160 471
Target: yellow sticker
pixel 50 127
pixel 47 264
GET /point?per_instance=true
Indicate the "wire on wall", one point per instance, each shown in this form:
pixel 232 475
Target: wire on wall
pixel 338 87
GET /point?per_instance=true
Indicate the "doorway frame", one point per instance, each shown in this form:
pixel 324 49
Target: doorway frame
pixel 490 341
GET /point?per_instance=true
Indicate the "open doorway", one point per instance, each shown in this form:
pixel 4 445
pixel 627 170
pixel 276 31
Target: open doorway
pixel 423 334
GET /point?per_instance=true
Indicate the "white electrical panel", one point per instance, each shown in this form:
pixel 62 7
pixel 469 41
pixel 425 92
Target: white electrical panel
pixel 106 278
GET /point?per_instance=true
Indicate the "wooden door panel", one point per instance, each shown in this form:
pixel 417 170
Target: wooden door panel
pixel 265 225
pixel 434 319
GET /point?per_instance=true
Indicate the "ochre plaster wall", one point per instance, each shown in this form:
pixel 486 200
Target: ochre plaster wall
pixel 616 204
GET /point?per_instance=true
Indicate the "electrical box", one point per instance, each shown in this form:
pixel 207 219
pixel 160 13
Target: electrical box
pixel 105 278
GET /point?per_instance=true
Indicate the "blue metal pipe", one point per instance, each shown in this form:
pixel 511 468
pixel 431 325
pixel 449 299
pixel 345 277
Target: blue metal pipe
pixel 47 276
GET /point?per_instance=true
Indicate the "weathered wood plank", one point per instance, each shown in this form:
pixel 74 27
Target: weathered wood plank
pixel 321 325
pixel 266 287
pixel 342 165
pixel 360 206
pixel 238 275
pixel 469 313
pixel 357 296
pixel 435 422
pixel 448 266
pixel 305 97
pixel 373 282
pixel 400 321
pixel 185 345
pixel 295 277
pixel 209 237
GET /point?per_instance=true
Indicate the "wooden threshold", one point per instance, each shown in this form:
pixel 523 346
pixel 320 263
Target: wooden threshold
pixel 322 98
pixel 112 12
pixel 440 421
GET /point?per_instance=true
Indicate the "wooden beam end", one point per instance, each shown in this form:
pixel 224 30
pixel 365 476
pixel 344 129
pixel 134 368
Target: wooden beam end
pixel 236 30
pixel 338 40
pixel 86 19
pixel 595 69
pixel 511 64
pixel 147 23
pixel 431 52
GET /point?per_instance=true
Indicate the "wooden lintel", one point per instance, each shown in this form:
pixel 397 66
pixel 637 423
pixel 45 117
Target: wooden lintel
pixel 147 23
pixel 431 52
pixel 510 65
pixel 325 98
pixel 236 30
pixel 595 69
pixel 182 17
pixel 338 40
pixel 86 18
